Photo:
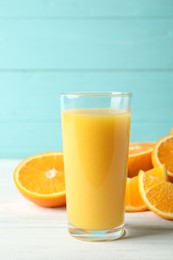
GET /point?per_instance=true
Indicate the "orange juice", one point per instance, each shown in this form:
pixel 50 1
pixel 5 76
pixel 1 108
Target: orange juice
pixel 95 144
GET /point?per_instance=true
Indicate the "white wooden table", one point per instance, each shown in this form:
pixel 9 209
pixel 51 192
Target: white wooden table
pixel 31 232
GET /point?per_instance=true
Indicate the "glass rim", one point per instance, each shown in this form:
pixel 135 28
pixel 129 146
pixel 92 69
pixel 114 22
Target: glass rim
pixel 96 94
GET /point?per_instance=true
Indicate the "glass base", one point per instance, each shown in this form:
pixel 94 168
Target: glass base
pixel 96 235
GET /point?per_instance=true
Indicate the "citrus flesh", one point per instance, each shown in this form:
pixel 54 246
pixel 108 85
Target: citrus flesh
pixel 163 154
pixel 133 200
pixel 157 193
pixel 139 158
pixel 40 179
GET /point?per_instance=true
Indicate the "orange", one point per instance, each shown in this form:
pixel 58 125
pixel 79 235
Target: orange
pixel 40 179
pixel 157 193
pixel 133 200
pixel 171 131
pixel 139 158
pixel 163 154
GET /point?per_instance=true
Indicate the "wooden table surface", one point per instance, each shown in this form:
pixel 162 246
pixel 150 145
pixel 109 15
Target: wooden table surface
pixel 31 232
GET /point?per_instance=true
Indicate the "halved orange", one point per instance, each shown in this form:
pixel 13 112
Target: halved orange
pixel 133 200
pixel 40 179
pixel 139 158
pixel 163 154
pixel 157 193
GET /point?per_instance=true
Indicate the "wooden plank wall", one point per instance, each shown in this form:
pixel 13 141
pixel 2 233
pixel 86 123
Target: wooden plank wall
pixel 53 46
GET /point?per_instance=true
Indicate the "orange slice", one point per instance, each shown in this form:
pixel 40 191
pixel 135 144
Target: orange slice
pixel 40 179
pixel 163 154
pixel 133 200
pixel 157 193
pixel 139 158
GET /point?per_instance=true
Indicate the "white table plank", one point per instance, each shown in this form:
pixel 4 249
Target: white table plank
pixel 31 232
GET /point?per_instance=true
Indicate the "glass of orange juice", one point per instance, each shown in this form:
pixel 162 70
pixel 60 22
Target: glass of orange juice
pixel 95 135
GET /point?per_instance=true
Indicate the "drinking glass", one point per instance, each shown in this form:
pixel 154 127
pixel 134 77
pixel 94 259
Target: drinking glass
pixel 95 135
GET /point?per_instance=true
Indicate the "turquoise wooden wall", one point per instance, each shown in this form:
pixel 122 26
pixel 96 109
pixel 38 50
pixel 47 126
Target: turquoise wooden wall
pixel 53 46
